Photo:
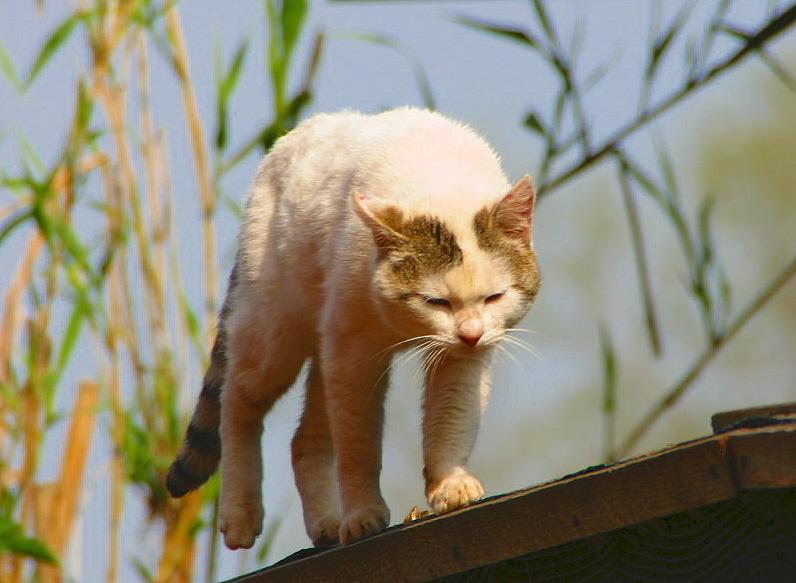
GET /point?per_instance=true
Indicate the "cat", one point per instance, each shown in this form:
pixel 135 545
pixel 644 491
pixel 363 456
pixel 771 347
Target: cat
pixel 364 235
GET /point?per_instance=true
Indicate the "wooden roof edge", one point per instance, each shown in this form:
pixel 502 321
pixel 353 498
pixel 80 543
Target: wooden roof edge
pixel 762 415
pixel 697 473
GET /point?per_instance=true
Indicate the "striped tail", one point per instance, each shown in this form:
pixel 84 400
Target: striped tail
pixel 200 452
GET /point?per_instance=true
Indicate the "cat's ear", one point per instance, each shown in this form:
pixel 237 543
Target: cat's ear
pixel 383 220
pixel 514 213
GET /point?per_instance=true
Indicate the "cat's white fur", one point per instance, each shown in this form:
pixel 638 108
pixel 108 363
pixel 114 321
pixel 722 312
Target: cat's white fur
pixel 310 288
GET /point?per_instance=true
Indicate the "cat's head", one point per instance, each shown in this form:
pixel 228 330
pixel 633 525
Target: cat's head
pixel 462 283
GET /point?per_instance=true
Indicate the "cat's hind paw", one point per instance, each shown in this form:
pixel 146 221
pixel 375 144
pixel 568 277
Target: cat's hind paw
pixel 240 525
pixel 363 522
pixel 454 492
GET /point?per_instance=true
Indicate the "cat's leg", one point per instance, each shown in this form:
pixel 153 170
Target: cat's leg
pixel 313 465
pixel 355 383
pixel 265 357
pixel 456 394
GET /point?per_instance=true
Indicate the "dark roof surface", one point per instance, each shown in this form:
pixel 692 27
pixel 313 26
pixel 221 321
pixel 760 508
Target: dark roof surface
pixel 683 484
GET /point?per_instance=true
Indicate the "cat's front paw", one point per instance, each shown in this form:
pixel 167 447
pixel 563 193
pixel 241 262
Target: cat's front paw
pixel 454 492
pixel 240 524
pixel 364 521
pixel 325 531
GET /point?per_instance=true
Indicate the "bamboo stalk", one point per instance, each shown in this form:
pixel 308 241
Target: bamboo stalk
pixel 12 309
pixel 113 383
pixel 176 561
pixel 58 501
pixel 202 166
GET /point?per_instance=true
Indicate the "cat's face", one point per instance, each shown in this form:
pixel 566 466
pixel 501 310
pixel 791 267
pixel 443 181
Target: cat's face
pixel 461 289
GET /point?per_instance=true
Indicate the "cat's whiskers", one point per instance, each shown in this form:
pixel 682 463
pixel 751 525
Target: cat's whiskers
pixel 437 358
pixel 506 351
pixel 419 349
pixel 525 331
pixel 425 348
pixel 431 342
pixel 403 358
pixel 526 346
pixel 397 344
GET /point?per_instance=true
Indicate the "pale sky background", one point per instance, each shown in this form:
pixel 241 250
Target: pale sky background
pixel 544 420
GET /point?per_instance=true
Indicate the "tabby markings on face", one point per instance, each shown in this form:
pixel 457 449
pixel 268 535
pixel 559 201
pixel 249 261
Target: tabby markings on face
pixel 521 259
pixel 423 246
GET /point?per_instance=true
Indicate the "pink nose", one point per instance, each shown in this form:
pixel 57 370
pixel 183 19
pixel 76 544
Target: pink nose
pixel 470 339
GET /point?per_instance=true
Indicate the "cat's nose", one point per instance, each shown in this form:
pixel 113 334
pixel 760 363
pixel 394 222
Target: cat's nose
pixel 470 331
pixel 470 339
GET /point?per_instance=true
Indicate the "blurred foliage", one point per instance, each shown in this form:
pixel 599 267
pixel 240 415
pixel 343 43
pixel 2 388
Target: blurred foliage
pixel 61 261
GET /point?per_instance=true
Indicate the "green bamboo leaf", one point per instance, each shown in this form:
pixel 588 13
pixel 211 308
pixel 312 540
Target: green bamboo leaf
pixel 671 189
pixel 666 38
pixel 560 108
pixel 608 353
pixel 9 71
pixel 269 536
pixel 315 59
pixel 703 229
pixel 146 13
pixel 13 540
pixel 226 83
pixel 777 69
pixel 734 32
pixel 691 56
pixel 609 370
pixel 191 321
pixel 230 80
pixel 11 224
pixel 725 297
pixel 544 20
pixel 533 123
pixel 504 30
pixel 54 42
pixel 31 155
pixel 294 13
pixel 386 41
pixel 84 108
pixel 73 245
pixel 276 60
pixel 142 569
pixel 646 182
pixel 598 74
pixel 68 342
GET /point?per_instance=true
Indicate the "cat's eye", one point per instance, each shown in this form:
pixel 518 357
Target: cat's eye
pixel 494 297
pixel 437 301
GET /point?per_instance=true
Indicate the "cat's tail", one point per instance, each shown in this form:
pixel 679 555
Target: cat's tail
pixel 200 452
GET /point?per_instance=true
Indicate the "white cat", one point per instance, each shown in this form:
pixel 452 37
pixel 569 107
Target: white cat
pixel 364 235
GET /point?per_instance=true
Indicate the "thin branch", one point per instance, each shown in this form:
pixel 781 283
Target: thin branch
pixel 753 44
pixel 673 395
